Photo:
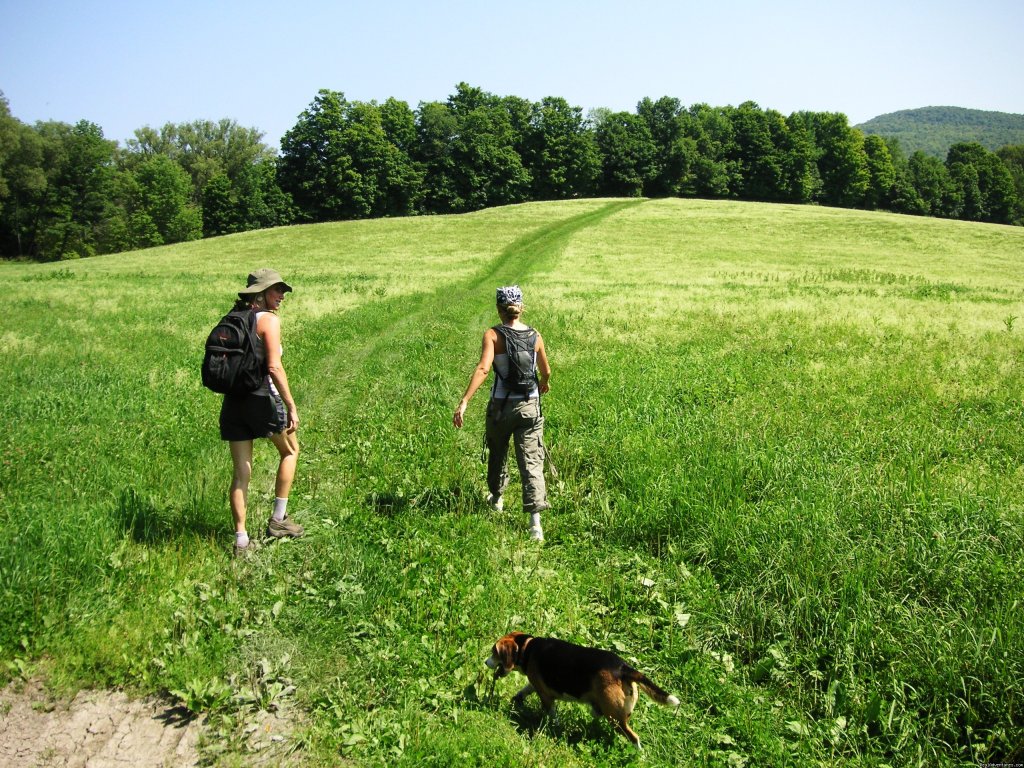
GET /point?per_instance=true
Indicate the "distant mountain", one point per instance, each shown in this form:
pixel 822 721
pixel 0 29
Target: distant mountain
pixel 934 130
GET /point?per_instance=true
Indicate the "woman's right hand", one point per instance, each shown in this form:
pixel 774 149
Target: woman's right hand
pixel 293 419
pixel 458 418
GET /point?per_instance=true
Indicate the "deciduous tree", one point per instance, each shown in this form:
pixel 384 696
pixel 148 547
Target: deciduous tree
pixel 204 149
pixel 674 152
pixel 930 179
pixel 627 154
pixel 165 191
pixel 79 165
pixel 436 128
pixel 881 174
pixel 22 184
pixel 905 197
pixel 560 153
pixel 842 164
pixel 984 181
pixel 337 161
pixel 714 173
pixel 314 162
pixel 803 182
pixel 1012 156
pixel 469 148
pixel 758 152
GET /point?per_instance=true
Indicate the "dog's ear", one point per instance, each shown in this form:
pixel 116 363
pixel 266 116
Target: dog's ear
pixel 507 651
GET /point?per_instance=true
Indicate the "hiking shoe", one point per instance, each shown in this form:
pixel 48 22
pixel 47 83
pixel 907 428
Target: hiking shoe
pixel 536 533
pixel 283 529
pixel 495 502
pixel 243 553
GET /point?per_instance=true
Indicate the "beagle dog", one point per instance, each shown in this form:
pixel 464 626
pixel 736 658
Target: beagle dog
pixel 560 670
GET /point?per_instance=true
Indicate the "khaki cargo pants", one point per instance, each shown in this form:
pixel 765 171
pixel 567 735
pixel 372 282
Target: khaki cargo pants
pixel 520 420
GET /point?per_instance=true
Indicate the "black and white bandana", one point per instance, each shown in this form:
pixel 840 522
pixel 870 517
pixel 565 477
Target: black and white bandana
pixel 509 294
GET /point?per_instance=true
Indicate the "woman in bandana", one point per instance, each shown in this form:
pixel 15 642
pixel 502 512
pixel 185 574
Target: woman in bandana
pixel 514 409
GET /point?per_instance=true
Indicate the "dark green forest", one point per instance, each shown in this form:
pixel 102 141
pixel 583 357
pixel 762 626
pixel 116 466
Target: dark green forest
pixel 68 192
pixel 933 130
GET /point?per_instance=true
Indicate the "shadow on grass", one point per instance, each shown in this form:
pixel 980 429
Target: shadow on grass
pixel 388 504
pixel 566 727
pixel 148 522
pixel 570 727
pixel 430 501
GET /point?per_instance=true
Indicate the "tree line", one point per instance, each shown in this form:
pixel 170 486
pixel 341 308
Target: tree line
pixel 67 192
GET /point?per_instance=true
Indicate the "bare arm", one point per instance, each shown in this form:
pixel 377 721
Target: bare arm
pixel 479 375
pixel 269 328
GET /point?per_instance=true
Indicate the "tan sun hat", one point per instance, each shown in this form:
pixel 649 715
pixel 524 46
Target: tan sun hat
pixel 262 279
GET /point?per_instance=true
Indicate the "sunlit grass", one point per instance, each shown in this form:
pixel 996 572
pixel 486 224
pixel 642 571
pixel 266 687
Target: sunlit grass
pixel 789 488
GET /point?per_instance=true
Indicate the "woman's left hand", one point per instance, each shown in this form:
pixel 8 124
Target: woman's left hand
pixel 460 412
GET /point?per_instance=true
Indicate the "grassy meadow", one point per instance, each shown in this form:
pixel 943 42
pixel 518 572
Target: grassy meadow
pixel 789 488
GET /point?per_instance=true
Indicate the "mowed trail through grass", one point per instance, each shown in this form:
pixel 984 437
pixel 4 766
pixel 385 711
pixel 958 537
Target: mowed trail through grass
pixel 788 441
pixel 383 331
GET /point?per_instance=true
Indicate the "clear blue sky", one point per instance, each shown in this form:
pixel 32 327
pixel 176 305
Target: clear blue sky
pixel 123 65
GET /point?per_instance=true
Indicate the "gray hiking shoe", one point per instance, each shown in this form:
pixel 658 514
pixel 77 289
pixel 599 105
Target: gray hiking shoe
pixel 284 529
pixel 243 553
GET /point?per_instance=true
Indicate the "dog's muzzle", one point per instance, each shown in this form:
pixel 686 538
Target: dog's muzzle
pixel 497 666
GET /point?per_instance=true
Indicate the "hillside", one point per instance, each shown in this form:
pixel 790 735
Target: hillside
pixel 788 487
pixel 934 130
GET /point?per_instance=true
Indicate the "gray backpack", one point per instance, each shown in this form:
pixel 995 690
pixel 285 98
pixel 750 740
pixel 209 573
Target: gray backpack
pixel 521 347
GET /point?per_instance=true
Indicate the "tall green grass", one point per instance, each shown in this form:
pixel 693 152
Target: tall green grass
pixel 789 486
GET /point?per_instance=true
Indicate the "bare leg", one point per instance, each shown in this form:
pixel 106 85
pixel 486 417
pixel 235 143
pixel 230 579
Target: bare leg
pixel 241 459
pixel 287 445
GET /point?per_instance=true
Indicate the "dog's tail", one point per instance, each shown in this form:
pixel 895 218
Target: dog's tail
pixel 647 685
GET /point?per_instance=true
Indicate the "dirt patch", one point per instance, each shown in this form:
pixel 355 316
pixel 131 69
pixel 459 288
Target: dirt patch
pixel 98 729
pixel 107 729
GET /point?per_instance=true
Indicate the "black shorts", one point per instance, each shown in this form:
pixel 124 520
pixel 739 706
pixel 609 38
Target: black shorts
pixel 247 417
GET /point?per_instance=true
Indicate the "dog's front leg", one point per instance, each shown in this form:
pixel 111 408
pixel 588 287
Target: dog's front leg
pixel 551 713
pixel 525 691
pixel 548 701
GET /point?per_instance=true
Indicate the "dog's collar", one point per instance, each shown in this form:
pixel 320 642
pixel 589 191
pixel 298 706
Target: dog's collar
pixel 522 650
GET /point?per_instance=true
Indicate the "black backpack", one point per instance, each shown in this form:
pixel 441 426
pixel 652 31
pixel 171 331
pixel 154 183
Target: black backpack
pixel 520 345
pixel 234 363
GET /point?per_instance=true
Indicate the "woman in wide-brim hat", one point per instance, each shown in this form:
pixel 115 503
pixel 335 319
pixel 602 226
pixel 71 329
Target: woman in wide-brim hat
pixel 513 411
pixel 268 412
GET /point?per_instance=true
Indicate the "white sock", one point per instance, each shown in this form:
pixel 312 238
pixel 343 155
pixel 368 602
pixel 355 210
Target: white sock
pixel 241 539
pixel 280 509
pixel 535 520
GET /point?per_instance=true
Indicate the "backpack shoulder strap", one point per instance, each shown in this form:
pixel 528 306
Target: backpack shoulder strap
pixel 502 331
pixel 249 316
